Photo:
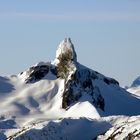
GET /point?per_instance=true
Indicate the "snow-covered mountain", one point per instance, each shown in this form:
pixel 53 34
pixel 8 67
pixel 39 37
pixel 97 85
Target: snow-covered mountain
pixel 65 100
pixel 136 82
pixel 135 87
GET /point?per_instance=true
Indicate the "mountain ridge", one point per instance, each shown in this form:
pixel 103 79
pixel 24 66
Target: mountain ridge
pixel 62 89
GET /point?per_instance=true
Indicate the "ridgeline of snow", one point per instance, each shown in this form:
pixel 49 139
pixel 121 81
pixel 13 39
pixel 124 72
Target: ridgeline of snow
pixel 38 104
pixel 123 128
pixel 65 129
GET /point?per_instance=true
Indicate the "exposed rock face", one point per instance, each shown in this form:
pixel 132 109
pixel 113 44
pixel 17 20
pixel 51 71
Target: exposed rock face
pixel 66 66
pixel 78 83
pixel 80 87
pixel 110 81
pixel 39 71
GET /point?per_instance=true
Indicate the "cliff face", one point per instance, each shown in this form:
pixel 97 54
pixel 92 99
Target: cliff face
pixel 78 85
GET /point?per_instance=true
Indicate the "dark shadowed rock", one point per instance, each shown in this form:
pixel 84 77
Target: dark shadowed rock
pixel 82 84
pixel 110 81
pixel 37 72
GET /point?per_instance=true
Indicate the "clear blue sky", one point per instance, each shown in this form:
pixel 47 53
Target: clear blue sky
pixel 106 34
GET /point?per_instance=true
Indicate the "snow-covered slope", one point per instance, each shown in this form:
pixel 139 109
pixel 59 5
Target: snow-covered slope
pixel 123 128
pixel 59 99
pixel 108 128
pixel 135 91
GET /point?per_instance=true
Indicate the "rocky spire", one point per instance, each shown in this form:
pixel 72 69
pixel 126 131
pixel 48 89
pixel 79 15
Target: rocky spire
pixel 65 46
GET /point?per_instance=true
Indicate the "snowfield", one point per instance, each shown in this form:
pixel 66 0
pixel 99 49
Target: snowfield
pixel 64 100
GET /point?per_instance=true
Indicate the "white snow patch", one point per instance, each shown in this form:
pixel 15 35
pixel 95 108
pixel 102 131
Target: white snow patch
pixel 83 109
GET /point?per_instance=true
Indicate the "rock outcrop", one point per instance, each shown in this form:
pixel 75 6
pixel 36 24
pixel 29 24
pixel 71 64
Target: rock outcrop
pixel 78 80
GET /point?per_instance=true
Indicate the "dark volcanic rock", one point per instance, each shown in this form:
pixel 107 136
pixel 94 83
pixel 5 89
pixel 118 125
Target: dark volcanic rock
pixel 37 72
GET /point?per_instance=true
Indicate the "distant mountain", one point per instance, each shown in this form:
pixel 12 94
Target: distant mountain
pixel 64 100
pixel 135 88
pixel 136 82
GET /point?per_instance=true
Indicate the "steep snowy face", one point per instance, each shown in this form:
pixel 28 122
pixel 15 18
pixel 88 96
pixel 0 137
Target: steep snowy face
pixel 65 47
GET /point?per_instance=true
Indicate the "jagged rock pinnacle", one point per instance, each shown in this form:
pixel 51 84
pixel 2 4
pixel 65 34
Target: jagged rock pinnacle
pixel 65 46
